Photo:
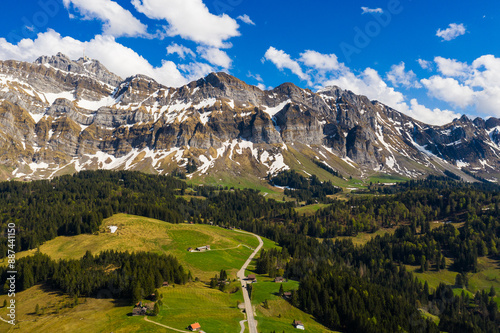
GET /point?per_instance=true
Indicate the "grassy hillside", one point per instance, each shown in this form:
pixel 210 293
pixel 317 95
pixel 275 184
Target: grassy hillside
pixel 216 311
pixel 229 248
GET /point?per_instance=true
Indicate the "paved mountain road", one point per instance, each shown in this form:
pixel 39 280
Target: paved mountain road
pixel 252 323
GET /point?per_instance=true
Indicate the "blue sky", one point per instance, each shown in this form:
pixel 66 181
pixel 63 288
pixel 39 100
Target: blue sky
pixel 433 60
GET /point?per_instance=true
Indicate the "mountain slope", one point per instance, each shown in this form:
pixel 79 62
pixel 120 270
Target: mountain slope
pixel 61 116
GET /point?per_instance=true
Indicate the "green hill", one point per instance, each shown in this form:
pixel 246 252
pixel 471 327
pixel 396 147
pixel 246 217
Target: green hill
pixel 182 304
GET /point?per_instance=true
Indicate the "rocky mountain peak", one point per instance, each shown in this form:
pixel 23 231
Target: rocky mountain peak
pixel 83 66
pixel 332 91
pixel 492 123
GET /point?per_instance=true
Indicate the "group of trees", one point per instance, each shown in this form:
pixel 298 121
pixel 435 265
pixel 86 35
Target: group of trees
pixel 302 188
pixel 106 275
pixel 272 262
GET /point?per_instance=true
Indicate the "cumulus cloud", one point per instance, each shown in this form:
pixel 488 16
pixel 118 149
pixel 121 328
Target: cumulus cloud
pixel 181 50
pixel 117 20
pixel 449 90
pixel 366 10
pixel 191 20
pixel 428 116
pixel 453 31
pixel 262 86
pixel 398 76
pixel 214 56
pixel 283 60
pixel 319 61
pixel 195 70
pixel 451 67
pixel 425 64
pixel 467 85
pixel 246 19
pixel 370 84
pixel 117 58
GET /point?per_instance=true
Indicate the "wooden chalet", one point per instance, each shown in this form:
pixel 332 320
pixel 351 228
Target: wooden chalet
pixel 279 279
pixel 165 284
pixel 139 311
pixel 252 278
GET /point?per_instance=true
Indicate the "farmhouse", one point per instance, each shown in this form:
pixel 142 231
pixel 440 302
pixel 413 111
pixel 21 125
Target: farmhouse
pixel 203 248
pixel 194 327
pixel 279 279
pixel 298 325
pixel 252 278
pixel 139 311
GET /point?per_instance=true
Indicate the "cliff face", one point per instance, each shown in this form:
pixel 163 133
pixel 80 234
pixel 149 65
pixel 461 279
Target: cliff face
pixel 59 116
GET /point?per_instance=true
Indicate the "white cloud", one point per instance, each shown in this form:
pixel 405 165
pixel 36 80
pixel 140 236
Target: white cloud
pixel 449 90
pixel 191 20
pixel 399 76
pixel 117 20
pixel 428 116
pixel 214 56
pixel 453 31
pixel 246 19
pixel 319 61
pixel 180 50
pixel 103 48
pixel 370 84
pixel 255 76
pixel 196 70
pixel 366 10
pixel 425 64
pixel 463 85
pixel 262 86
pixel 485 72
pixel 283 60
pixel 451 67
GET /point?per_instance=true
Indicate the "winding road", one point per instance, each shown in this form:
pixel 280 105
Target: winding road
pixel 252 323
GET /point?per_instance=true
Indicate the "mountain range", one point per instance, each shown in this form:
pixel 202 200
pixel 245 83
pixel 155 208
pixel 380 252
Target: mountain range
pixel 59 116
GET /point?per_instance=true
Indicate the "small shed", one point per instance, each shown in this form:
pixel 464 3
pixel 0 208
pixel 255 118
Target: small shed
pixel 252 278
pixel 165 284
pixel 194 327
pixel 287 294
pixel 279 279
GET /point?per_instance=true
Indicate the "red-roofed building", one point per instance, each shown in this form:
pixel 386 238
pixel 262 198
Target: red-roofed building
pixel 194 327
